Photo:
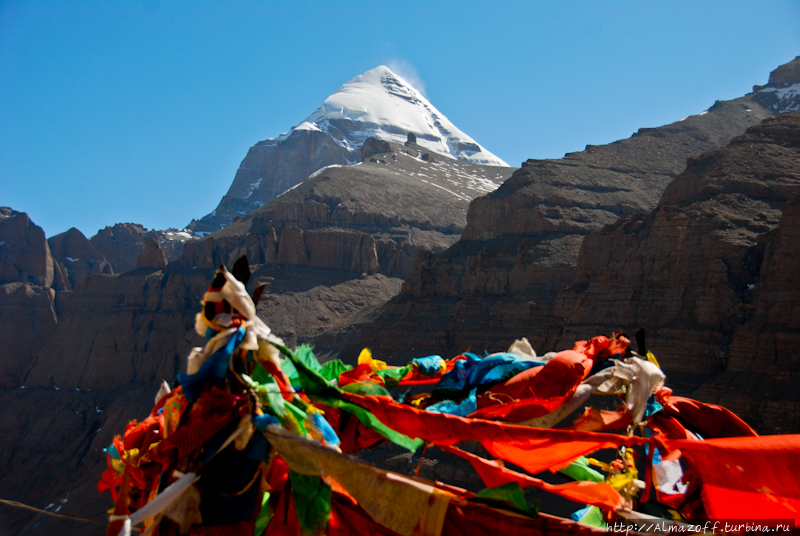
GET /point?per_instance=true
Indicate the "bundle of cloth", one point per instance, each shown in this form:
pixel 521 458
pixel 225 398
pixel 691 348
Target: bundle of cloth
pixel 256 439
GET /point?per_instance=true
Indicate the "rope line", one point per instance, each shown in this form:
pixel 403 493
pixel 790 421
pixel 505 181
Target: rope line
pixel 25 506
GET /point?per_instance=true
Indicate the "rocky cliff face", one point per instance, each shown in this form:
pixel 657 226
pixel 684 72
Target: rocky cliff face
pixel 102 364
pixel 152 255
pixel 373 217
pixel 76 257
pixel 27 314
pixel 277 165
pixel 709 272
pixel 24 252
pixel 27 303
pixel 763 361
pixel 521 243
pixel 121 245
pixel 140 330
pixel 99 369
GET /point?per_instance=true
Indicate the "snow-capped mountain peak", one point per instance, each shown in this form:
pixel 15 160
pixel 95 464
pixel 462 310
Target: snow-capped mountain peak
pixel 380 104
pixel 377 104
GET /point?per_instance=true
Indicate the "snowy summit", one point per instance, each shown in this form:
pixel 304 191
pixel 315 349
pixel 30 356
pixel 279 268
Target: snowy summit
pixel 382 105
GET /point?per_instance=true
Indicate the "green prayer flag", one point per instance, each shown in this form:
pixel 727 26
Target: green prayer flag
pixel 264 516
pixel 318 388
pixel 392 376
pixel 580 470
pixel 365 389
pixel 593 517
pixel 331 370
pixel 312 501
pixel 508 495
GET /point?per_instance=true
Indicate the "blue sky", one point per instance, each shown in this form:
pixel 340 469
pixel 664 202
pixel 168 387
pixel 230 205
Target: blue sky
pixel 142 111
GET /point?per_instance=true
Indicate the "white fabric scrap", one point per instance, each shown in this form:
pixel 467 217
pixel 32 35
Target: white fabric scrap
pixel 164 500
pixel 582 394
pixel 668 476
pixel 648 377
pixel 235 293
pixel 522 347
pixel 163 391
pixel 611 380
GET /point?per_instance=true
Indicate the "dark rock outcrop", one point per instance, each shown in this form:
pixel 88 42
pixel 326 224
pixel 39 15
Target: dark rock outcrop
pixel 79 259
pixel 375 146
pixel 782 92
pixel 24 252
pixel 292 247
pixel 122 244
pixel 785 75
pixel 152 255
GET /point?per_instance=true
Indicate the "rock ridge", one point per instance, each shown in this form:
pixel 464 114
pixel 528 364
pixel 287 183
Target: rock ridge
pixel 521 244
pixel 709 272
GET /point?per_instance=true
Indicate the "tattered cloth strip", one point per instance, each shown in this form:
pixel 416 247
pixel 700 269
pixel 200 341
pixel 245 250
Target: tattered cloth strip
pixel 494 474
pixel 473 371
pixel 396 502
pixel 670 427
pixel 746 477
pixel 581 395
pixel 708 420
pixel 403 505
pixel 601 420
pixel 516 444
pixel 536 391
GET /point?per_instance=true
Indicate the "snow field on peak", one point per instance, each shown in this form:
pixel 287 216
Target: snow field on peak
pixel 380 104
pixel 453 177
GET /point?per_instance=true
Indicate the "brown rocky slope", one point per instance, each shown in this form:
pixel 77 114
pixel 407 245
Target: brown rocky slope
pixel 712 273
